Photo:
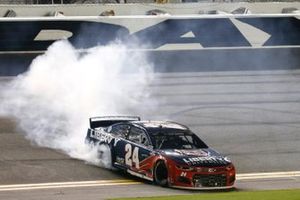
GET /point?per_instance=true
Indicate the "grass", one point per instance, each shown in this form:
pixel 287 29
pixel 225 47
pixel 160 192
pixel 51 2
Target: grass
pixel 236 195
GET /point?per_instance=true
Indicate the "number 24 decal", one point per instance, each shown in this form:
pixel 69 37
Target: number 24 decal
pixel 132 156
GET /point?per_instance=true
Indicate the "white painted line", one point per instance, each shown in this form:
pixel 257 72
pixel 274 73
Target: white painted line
pixel 70 183
pixel 268 175
pixel 66 186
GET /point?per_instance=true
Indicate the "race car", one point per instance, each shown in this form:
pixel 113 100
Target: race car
pixel 167 153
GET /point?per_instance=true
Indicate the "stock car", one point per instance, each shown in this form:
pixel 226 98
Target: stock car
pixel 167 153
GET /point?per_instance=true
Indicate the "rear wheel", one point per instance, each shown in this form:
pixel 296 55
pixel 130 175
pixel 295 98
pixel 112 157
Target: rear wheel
pixel 161 173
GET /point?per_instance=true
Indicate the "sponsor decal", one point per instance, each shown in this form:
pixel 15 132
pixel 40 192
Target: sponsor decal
pixel 199 160
pixel 183 174
pixel 199 153
pixel 102 136
pixel 116 141
pixel 211 170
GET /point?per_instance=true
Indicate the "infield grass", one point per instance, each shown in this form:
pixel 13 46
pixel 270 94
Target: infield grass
pixel 233 195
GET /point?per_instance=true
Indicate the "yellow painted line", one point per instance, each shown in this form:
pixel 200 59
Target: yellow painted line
pixel 99 183
pixel 66 185
pixel 69 183
pixel 268 175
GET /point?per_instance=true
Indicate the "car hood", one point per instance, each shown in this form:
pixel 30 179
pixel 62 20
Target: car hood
pixel 196 157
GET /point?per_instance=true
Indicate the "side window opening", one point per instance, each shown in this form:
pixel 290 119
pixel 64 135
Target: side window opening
pixel 120 130
pixel 178 140
pixel 138 136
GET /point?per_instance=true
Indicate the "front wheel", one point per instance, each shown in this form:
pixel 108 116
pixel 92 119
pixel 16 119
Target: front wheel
pixel 161 174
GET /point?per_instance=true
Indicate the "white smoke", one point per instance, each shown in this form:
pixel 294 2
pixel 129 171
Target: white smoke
pixel 63 88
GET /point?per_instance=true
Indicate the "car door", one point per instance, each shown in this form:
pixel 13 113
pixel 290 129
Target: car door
pixel 133 152
pixel 138 148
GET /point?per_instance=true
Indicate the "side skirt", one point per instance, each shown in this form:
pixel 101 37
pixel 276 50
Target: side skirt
pixel 139 175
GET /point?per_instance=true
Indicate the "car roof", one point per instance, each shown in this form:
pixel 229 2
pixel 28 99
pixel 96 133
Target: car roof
pixel 165 126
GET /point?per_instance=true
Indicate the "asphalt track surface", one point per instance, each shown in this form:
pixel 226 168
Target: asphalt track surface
pixel 252 116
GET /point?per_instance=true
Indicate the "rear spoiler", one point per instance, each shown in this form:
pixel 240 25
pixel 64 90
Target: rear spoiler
pixel 109 120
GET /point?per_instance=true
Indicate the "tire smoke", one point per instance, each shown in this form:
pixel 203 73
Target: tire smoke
pixel 63 88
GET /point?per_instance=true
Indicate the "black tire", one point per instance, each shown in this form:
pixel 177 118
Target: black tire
pixel 160 173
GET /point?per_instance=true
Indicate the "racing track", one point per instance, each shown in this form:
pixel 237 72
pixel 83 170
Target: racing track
pixel 252 116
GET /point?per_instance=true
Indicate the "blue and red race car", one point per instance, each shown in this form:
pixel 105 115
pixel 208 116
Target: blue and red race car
pixel 165 152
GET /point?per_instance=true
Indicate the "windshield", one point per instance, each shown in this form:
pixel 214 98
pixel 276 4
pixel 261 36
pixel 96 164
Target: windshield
pixel 178 140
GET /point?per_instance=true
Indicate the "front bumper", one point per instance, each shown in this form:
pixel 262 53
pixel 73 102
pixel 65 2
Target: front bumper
pixel 208 178
pixel 203 188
